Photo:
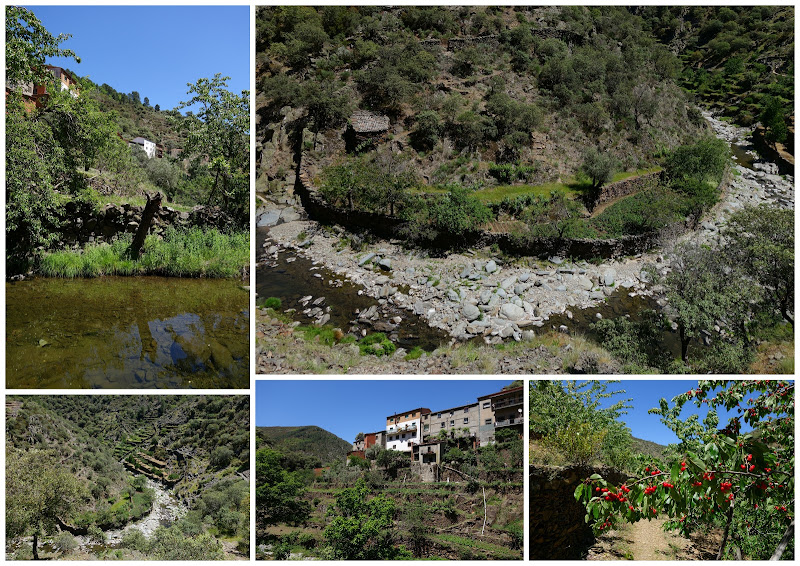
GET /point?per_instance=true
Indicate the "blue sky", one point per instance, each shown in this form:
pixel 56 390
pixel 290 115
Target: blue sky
pixel 346 408
pixel 646 395
pixel 154 50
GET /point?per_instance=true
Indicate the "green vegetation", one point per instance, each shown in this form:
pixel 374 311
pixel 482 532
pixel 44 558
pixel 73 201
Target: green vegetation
pixel 181 253
pixel 74 445
pixel 741 482
pixel 65 151
pixel 377 508
pixel 739 58
pixel 567 420
pixel 473 125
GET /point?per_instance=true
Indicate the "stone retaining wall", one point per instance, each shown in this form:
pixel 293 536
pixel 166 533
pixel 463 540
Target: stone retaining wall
pixel 456 43
pixel 82 223
pixel 557 526
pixel 388 227
pixel 630 186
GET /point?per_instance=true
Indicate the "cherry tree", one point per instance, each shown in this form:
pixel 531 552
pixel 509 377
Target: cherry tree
pixel 713 471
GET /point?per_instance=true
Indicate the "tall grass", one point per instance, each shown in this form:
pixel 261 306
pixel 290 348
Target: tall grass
pixel 181 253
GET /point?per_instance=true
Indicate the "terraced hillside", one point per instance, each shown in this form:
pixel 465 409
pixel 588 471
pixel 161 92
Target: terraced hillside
pixel 131 464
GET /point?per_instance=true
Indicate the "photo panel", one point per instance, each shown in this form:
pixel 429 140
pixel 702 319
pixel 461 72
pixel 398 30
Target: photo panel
pixel 389 469
pixel 135 477
pixel 529 190
pixel 127 197
pixel 672 469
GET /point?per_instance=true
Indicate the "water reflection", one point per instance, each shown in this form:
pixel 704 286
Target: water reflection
pixel 126 333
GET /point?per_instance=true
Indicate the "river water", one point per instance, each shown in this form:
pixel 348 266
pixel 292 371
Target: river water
pixel 127 332
pixel 292 277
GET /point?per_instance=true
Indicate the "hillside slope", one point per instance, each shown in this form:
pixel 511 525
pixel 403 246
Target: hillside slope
pixel 308 440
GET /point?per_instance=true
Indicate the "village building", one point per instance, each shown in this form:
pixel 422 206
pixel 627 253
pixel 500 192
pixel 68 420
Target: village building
pixel 403 430
pixel 35 95
pixel 500 410
pixel 365 127
pixel 148 146
pixel 429 452
pixel 462 421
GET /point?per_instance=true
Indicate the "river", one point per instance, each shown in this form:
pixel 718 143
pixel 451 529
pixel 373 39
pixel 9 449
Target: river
pixel 300 264
pixel 127 332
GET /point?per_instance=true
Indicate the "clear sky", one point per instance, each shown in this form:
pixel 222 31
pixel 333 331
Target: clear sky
pixel 346 408
pixel 154 50
pixel 646 395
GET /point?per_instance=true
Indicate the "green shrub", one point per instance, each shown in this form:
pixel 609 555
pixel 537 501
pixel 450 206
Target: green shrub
pixel 273 303
pixel 376 344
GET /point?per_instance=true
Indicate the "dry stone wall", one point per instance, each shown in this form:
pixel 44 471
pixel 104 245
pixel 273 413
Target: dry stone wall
pixel 558 530
pixel 82 222
pixel 627 187
pixel 390 227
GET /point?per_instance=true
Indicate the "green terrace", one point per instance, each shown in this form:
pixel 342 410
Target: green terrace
pixel 570 187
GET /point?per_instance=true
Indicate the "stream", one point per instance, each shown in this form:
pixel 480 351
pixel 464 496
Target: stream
pixel 317 284
pixel 293 277
pixel 126 332
pixel 166 510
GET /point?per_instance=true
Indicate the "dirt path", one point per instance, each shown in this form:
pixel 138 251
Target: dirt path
pixel 644 540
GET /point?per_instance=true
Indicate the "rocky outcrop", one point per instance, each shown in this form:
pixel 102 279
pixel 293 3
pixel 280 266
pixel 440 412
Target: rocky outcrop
pixel 558 530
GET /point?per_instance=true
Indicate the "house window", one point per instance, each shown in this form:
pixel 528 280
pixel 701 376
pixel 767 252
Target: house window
pixel 438 415
pixel 466 410
pixel 452 423
pixel 452 413
pixel 487 404
pixel 442 425
pixel 404 436
pixel 426 428
pixel 488 421
pixel 466 420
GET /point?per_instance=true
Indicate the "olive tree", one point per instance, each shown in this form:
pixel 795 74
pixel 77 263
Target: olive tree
pixel 39 493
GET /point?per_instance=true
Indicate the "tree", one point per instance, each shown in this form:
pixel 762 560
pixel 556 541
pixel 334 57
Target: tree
pixel 146 102
pixel 569 416
pixel 600 168
pixel 361 528
pixel 428 128
pixel 716 471
pixel 773 118
pixel 28 44
pixel 219 132
pixel 157 108
pixel 39 493
pixel 761 241
pixel 702 289
pixel 704 161
pixel 278 491
pixel 328 104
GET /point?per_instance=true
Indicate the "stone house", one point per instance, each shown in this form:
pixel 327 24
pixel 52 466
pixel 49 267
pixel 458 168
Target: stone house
pixel 363 127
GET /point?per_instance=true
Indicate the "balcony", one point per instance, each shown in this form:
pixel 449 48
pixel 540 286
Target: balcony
pixel 509 422
pixel 503 403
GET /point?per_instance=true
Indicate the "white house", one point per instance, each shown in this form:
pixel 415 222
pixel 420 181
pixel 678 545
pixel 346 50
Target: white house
pixel 404 430
pixel 148 146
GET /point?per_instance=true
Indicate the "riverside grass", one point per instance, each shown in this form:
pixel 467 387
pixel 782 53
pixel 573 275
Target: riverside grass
pixel 181 253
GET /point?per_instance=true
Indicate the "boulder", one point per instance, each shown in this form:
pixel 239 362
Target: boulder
pixel 511 311
pixel 470 312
